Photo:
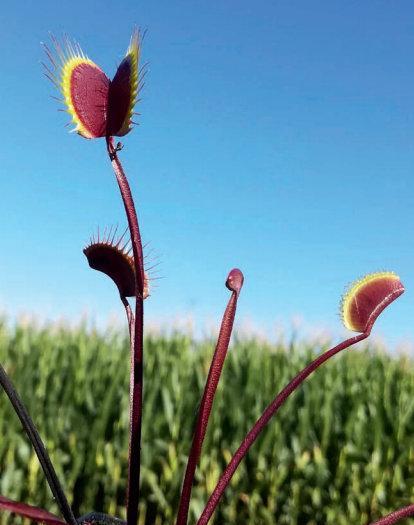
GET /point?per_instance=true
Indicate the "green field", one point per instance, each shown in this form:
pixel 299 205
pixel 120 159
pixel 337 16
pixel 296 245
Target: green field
pixel 340 452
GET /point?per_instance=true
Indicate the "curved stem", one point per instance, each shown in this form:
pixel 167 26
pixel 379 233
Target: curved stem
pixel 130 318
pixel 130 213
pixel 206 406
pixel 137 344
pixel 35 439
pixel 395 516
pixel 263 421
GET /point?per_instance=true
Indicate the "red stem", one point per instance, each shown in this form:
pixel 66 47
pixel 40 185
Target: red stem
pixel 29 511
pixel 137 344
pixel 263 421
pixel 206 406
pixel 395 516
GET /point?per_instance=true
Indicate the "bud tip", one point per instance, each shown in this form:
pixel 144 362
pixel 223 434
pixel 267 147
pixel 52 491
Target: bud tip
pixel 235 280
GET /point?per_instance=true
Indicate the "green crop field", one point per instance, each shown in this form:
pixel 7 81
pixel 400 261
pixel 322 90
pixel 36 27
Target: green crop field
pixel 340 452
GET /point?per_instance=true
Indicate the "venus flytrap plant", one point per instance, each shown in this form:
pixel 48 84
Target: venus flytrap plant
pixel 361 306
pixel 100 107
pixel 103 108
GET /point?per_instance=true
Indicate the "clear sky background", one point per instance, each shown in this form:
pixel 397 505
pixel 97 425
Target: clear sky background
pixel 276 136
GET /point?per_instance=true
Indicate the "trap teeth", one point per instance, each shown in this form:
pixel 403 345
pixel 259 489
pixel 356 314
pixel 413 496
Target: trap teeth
pixel 118 265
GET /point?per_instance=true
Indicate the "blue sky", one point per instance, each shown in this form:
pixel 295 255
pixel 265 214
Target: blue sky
pixel 274 136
